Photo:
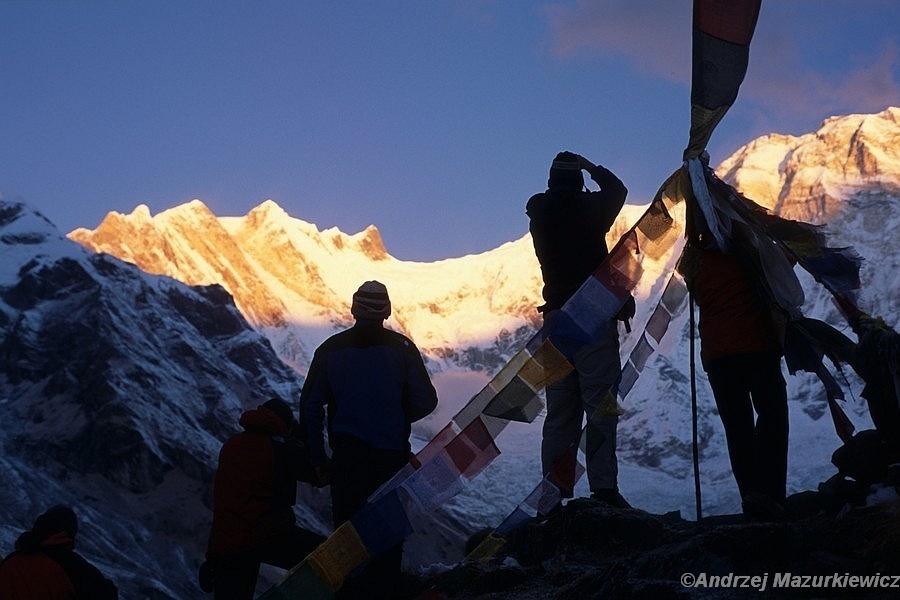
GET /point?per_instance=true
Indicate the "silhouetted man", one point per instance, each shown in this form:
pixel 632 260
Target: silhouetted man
pixel 568 227
pixel 373 383
pixel 740 350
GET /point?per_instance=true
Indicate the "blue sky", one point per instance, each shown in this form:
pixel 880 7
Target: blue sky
pixel 435 120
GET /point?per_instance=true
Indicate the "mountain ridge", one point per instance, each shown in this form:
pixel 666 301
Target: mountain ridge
pixel 787 174
pixel 280 269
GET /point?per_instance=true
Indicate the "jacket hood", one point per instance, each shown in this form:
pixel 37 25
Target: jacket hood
pixel 264 420
pixel 32 542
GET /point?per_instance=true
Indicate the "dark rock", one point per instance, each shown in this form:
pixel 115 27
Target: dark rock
pixel 865 457
pixel 587 550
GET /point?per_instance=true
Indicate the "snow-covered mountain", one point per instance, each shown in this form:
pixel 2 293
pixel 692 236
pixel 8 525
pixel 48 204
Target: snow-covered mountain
pixel 117 389
pixel 293 283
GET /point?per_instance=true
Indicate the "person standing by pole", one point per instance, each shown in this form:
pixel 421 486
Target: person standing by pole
pixel 740 350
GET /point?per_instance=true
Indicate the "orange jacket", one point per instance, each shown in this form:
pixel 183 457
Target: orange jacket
pixel 254 490
pixel 734 319
pixel 52 571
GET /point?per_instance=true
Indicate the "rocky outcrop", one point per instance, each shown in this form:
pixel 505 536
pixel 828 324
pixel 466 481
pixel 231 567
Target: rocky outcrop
pixel 589 550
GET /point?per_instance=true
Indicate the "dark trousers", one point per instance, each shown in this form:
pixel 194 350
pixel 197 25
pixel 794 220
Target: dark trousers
pixel 235 575
pixel 357 470
pixel 758 447
pixel 576 396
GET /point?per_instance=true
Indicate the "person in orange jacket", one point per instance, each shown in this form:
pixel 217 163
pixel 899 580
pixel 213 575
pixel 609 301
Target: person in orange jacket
pixel 741 350
pixel 254 493
pixel 45 566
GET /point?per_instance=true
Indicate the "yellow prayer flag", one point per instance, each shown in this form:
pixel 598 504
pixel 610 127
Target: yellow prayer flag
pixel 339 555
pixel 546 366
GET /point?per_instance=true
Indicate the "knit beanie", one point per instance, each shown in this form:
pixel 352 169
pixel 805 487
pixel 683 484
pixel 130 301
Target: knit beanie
pixel 565 173
pixel 371 302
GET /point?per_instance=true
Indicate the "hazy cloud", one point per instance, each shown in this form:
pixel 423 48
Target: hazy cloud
pixel 650 35
pixel 870 83
pixel 786 73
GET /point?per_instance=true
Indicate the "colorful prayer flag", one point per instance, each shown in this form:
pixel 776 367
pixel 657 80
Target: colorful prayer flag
pixel 338 556
pixel 473 449
pixel 382 524
pixel 721 50
pixel 432 484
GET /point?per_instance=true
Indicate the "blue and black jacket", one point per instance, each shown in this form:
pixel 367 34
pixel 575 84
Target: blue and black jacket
pixel 374 384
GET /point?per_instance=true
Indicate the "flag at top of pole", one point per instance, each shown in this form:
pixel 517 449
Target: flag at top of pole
pixel 721 51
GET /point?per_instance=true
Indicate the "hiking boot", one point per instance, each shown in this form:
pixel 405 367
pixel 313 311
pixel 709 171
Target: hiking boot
pixel 610 497
pixel 758 506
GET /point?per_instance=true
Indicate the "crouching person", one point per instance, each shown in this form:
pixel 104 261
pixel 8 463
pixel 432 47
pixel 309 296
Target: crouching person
pixel 254 492
pixel 45 565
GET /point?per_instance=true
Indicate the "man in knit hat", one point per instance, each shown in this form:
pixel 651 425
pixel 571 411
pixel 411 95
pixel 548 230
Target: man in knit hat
pixel 373 384
pixel 568 227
